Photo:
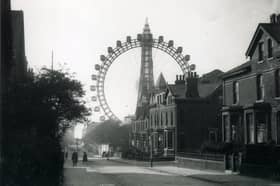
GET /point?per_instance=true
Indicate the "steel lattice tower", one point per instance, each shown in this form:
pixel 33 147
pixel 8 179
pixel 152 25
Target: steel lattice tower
pixel 146 83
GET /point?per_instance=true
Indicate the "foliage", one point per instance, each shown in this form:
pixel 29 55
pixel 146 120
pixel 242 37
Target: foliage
pixel 37 113
pixel 109 132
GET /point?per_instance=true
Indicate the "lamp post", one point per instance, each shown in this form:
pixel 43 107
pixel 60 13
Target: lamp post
pixel 151 149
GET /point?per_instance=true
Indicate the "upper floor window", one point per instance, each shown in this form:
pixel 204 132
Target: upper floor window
pixel 261 51
pixel 166 118
pixel 277 83
pixel 260 87
pixel 269 48
pixel 235 92
pixel 171 118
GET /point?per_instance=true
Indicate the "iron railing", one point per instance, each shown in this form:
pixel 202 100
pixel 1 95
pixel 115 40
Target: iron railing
pixel 204 156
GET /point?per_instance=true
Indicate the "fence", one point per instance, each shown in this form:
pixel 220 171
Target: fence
pixel 203 156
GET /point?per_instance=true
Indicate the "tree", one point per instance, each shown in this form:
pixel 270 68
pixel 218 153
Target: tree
pixel 109 132
pixel 38 112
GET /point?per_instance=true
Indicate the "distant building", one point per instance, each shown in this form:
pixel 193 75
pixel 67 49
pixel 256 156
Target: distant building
pixel 251 98
pixel 128 119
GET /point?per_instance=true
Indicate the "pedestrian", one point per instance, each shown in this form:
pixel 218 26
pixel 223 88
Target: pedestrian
pixel 66 155
pixel 107 155
pixel 85 159
pixel 151 161
pixel 75 158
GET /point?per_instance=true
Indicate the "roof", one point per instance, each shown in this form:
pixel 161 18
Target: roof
pixel 245 67
pixel 161 83
pixel 178 90
pixel 273 29
pixel 204 89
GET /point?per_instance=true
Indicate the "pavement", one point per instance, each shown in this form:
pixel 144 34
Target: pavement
pixel 204 175
pixel 118 171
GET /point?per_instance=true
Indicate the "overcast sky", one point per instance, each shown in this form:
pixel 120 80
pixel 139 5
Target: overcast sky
pixel 215 33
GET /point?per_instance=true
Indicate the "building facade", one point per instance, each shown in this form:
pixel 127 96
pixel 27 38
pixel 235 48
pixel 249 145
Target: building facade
pixel 251 111
pixel 251 102
pixel 181 117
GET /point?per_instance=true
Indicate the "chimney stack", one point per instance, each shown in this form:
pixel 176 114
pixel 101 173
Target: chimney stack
pixel 192 85
pixel 278 19
pixel 273 18
pixel 180 79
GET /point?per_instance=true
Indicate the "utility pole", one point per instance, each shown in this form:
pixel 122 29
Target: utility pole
pixel 52 61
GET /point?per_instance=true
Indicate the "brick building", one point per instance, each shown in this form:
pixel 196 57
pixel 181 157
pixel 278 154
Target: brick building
pixel 181 116
pixel 252 90
pixel 251 95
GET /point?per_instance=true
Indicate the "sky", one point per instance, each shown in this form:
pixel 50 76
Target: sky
pixel 214 33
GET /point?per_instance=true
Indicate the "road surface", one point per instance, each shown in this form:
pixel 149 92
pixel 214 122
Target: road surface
pixel 101 172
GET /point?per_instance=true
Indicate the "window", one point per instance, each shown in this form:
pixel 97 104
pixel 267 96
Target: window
pixel 261 51
pixel 277 83
pixel 260 87
pixel 166 118
pixel 171 118
pixel 227 134
pixel 161 119
pixel 269 48
pixel 261 128
pixel 165 139
pixel 170 140
pixel 169 100
pixel 250 128
pixel 235 92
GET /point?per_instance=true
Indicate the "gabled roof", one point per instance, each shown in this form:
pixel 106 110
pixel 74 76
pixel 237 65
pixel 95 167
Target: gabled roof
pixel 178 90
pixel 272 29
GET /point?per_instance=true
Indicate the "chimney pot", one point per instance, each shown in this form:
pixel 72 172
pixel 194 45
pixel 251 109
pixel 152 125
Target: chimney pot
pixel 278 19
pixel 273 18
pixel 195 74
pixel 176 77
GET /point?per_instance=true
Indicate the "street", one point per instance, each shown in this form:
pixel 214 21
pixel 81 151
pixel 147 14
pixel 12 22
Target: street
pixel 102 172
pixel 112 173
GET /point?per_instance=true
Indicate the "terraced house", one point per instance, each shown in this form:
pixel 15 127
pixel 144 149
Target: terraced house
pixel 251 111
pixel 181 116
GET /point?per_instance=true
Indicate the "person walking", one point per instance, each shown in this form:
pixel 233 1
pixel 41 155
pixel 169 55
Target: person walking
pixel 75 158
pixel 85 159
pixel 66 155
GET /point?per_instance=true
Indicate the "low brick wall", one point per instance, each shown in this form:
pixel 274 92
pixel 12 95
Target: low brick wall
pixel 200 163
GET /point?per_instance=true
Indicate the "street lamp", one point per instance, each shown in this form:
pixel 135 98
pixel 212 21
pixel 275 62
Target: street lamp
pixel 151 149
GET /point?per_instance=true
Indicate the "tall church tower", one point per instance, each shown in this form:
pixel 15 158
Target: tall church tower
pixel 146 83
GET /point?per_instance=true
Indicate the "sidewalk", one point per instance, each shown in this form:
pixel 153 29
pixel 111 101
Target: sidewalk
pixel 204 175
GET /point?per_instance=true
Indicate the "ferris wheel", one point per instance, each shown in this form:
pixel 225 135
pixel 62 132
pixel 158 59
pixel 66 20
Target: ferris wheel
pixel 121 47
